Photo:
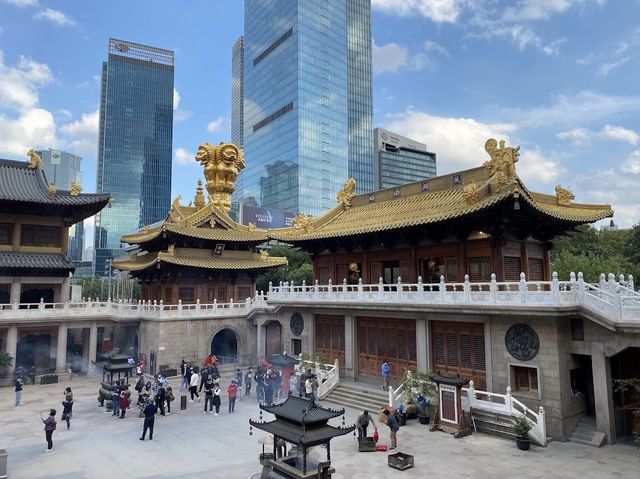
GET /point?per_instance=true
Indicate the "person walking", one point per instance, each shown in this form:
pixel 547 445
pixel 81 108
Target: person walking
pixel 385 369
pixel 161 397
pixel 363 422
pixel 170 397
pixel 293 384
pixel 216 397
pixel 248 377
pixel 238 378
pixel 232 391
pixel 308 388
pixel 18 389
pixel 314 388
pixel 204 375
pixel 150 411
pixel 124 403
pixel 183 376
pixel 208 397
pixel 392 422
pixel 49 427
pixel 115 399
pixel 67 406
pixel 193 386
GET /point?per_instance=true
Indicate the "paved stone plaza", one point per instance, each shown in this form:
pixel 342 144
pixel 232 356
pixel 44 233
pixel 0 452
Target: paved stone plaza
pixel 188 444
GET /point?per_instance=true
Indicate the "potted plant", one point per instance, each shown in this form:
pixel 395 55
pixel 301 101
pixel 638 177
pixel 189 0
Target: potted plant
pixel 417 389
pixel 522 427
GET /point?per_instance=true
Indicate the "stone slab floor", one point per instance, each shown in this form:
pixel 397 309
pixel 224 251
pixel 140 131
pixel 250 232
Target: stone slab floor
pixel 188 444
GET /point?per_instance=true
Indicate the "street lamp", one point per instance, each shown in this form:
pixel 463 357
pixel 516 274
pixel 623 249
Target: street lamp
pixel 107 265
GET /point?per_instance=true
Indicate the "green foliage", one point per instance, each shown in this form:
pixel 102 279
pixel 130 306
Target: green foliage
pixel 412 384
pixel 99 288
pixel 521 426
pixel 298 269
pixel 5 362
pixel 632 387
pixel 593 252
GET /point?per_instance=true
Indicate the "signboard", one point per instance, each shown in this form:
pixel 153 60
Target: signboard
pixel 55 157
pixel 267 217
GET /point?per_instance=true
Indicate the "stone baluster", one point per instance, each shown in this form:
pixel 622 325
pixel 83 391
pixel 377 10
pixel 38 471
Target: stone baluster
pixel 621 279
pixel 316 289
pixel 580 286
pixel 380 288
pixel 215 304
pixel 399 288
pixel 420 289
pixel 542 424
pixel 442 289
pixel 523 288
pixel 392 399
pixel 602 281
pixel 179 308
pixel 304 288
pixel 344 285
pixel 471 393
pixel 630 283
pixel 330 288
pixel 360 288
pixel 611 283
pixel 508 403
pixel 555 289
pixel 198 307
pixel 270 287
pixel 466 288
pixel 41 304
pixel 493 288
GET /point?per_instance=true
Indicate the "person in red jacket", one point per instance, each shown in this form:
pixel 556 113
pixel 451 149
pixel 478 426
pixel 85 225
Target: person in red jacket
pixel 124 403
pixel 232 390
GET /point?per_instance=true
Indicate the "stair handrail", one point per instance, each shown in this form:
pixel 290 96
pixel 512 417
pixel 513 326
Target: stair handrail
pixel 328 375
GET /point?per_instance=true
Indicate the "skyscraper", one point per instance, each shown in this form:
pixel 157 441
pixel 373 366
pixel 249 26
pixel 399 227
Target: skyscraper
pixel 237 92
pixel 307 103
pixel 400 160
pixel 135 144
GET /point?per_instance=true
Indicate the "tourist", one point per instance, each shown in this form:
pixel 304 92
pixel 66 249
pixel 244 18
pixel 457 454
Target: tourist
pixel 308 388
pixel 208 396
pixel 170 397
pixel 215 374
pixel 32 374
pixel 363 422
pixel 183 375
pixel 259 379
pixel 124 403
pixel 268 387
pixel 150 411
pixel 204 373
pixel 293 384
pixel 314 388
pixel 193 385
pixel 385 369
pixel 67 406
pixel 161 397
pixel 216 397
pixel 49 427
pixel 18 390
pixel 232 391
pixel 115 399
pixel 277 383
pixel 248 377
pixel 392 422
pixel 238 378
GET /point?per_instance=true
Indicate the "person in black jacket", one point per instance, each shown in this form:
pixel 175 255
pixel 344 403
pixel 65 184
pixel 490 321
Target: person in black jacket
pixel 149 419
pixel 160 399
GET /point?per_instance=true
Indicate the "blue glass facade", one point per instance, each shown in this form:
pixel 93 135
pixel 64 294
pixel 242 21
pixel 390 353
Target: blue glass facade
pixel 135 144
pixel 297 123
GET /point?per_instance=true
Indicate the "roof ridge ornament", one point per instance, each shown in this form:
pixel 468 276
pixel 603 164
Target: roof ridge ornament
pixel 470 193
pixel 52 189
pixel 346 194
pixel 76 189
pixel 564 196
pixel 34 159
pixel 501 166
pixel 304 222
pixel 222 164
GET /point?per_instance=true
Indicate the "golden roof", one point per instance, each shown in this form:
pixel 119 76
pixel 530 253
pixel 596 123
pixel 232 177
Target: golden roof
pixel 199 258
pixel 441 199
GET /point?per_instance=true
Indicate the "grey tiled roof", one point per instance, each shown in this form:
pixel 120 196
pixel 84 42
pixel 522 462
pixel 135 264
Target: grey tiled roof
pixel 449 380
pixel 21 183
pixel 11 259
pixel 294 434
pixel 301 410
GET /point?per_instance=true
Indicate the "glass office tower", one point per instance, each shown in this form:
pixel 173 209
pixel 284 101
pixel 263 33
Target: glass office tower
pixel 135 144
pixel 307 105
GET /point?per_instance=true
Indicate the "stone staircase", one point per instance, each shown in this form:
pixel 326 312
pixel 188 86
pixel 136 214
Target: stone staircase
pixel 359 396
pixel 495 424
pixel 585 433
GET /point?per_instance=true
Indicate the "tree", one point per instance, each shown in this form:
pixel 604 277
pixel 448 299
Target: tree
pixel 5 363
pixel 631 389
pixel 298 269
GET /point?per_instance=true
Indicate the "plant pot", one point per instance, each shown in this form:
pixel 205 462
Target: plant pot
pixel 523 443
pixel 424 419
pixel 402 419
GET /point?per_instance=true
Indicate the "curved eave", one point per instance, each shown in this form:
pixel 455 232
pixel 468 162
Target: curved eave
pixel 208 263
pixel 577 213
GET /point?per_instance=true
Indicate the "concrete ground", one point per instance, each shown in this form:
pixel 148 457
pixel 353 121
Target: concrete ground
pixel 188 444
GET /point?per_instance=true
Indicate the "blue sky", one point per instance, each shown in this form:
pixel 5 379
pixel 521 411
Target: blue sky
pixel 560 78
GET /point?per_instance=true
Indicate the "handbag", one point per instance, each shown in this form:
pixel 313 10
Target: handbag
pixel 375 436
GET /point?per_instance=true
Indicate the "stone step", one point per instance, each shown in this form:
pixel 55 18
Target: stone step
pixel 358 397
pixel 584 430
pixel 585 433
pixel 584 437
pixel 598 440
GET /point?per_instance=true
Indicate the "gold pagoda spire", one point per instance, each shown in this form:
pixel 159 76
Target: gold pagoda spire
pixel 222 164
pixel 199 200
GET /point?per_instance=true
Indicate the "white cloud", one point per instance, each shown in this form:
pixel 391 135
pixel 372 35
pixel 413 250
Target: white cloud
pixel 33 128
pixel 82 134
pixel 176 98
pixel 22 3
pixel 388 58
pixel 620 133
pixel 526 10
pixel 439 11
pixel 458 142
pixel 632 163
pixel 606 68
pixel 586 60
pixel 216 125
pixel 431 46
pixel 183 157
pixel 19 84
pixel 534 167
pixel 54 16
pixel 583 136
pixel 577 136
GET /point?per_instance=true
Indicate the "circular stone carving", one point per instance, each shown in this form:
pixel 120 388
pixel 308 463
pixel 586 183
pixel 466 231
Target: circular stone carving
pixel 522 342
pixel 297 324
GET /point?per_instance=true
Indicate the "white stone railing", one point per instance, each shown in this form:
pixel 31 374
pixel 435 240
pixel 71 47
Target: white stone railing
pixel 124 311
pixel 508 405
pixel 328 375
pixel 614 299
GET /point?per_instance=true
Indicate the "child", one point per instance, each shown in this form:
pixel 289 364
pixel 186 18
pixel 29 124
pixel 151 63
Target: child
pixel 232 390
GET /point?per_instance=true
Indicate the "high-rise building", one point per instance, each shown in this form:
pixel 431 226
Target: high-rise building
pixel 135 144
pixel 400 160
pixel 237 92
pixel 62 169
pixel 307 104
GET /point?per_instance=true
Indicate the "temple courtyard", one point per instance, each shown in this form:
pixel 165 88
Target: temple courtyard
pixel 188 444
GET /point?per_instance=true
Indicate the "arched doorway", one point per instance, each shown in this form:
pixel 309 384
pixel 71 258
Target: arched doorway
pixel 35 350
pixel 224 346
pixel 274 338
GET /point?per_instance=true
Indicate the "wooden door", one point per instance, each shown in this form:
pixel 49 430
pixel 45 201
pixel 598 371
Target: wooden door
pixel 330 337
pixel 392 339
pixel 458 348
pixel 273 338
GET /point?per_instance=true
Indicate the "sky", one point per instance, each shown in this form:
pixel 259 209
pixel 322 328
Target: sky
pixel 559 78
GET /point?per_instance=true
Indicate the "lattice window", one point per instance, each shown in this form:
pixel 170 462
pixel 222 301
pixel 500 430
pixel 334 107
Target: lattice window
pixel 480 269
pixel 478 353
pixel 393 343
pixel 412 346
pixel 452 350
pixel 536 269
pixel 512 268
pixel 465 351
pixel 402 345
pixel 362 340
pixel 323 275
pixel 439 348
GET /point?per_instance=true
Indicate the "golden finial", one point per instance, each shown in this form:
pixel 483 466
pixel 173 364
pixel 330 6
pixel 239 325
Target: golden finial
pixel 346 194
pixel 302 221
pixel 34 159
pixel 564 196
pixel 199 200
pixel 501 166
pixel 264 254
pixel 470 192
pixel 75 189
pixel 222 164
pixel 52 189
pixel 251 227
